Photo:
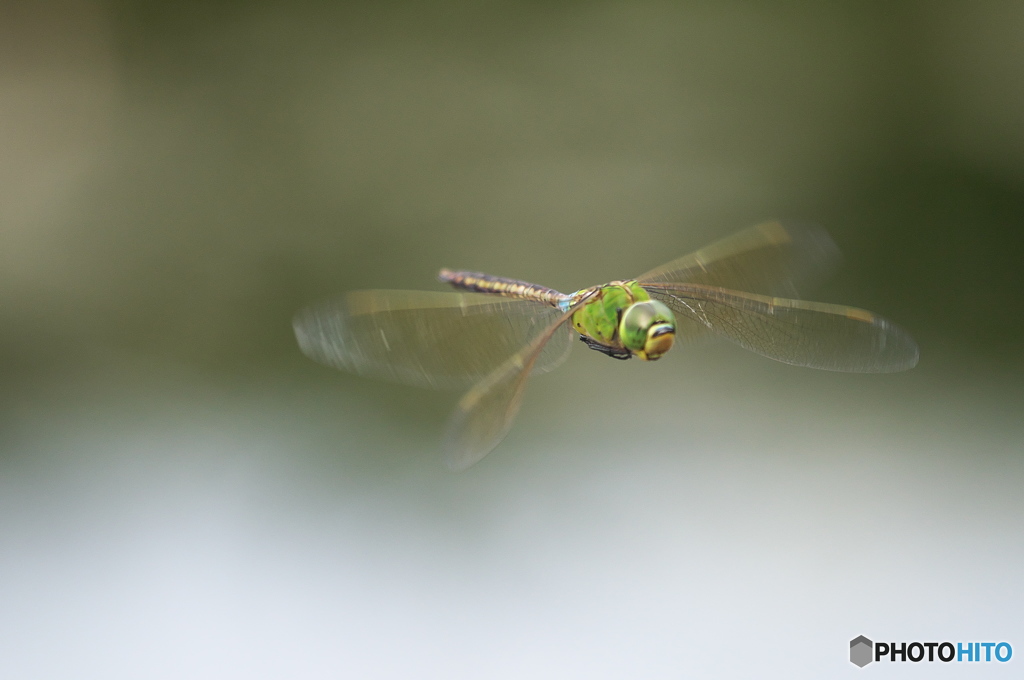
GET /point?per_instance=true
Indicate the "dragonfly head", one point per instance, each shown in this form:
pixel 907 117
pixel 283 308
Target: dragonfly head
pixel 648 329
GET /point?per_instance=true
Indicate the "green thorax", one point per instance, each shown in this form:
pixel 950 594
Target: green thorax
pixel 599 316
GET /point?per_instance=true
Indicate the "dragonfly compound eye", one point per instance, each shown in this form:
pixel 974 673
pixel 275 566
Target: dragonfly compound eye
pixel 648 329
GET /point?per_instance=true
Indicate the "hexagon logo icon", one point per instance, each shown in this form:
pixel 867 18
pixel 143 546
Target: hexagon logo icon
pixel 860 651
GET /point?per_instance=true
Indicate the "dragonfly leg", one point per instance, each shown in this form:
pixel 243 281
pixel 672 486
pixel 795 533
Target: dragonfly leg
pixel 613 352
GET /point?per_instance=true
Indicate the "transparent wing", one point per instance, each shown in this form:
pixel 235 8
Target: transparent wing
pixel 427 339
pixel 771 258
pixel 813 334
pixel 485 413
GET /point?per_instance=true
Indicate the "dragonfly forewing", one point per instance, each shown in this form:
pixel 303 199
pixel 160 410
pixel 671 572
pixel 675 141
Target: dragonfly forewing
pixel 772 258
pixel 428 339
pixel 812 334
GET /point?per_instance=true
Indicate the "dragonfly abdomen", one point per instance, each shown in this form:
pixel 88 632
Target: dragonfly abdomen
pixel 496 285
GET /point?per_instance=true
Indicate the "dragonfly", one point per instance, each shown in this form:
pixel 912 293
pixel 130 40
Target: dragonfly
pixel 495 332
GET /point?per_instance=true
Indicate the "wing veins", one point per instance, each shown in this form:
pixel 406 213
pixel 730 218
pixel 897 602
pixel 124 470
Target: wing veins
pixel 476 427
pixel 815 334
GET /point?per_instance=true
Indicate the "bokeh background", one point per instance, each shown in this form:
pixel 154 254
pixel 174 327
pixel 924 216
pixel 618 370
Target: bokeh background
pixel 183 494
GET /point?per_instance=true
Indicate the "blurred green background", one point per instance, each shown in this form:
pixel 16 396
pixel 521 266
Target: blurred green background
pixel 183 494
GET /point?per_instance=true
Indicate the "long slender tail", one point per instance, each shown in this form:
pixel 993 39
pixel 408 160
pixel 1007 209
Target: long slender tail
pixel 496 285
